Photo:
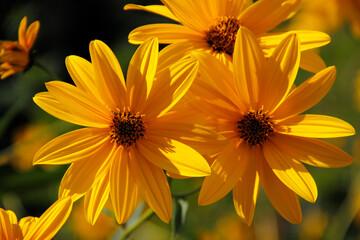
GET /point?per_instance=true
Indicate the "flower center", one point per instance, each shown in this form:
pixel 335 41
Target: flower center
pixel 255 128
pixel 127 128
pixel 221 36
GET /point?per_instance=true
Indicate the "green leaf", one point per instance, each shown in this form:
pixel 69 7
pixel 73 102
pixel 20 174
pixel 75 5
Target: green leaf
pixel 179 216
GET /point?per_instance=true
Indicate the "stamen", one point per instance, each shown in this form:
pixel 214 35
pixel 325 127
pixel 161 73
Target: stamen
pixel 127 128
pixel 221 36
pixel 255 128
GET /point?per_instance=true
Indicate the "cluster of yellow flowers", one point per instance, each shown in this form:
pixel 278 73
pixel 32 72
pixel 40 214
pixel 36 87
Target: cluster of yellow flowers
pixel 218 102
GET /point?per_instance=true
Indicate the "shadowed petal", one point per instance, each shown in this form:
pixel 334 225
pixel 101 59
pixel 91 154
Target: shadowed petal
pixel 123 189
pixel 290 171
pixel 311 61
pixel 9 228
pixel 31 34
pixel 157 9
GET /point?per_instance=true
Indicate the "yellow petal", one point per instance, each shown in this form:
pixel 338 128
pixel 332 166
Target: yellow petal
pixel 307 94
pixel 290 171
pixel 157 9
pixel 315 126
pixel 311 62
pixel 124 190
pixel 281 197
pixel 96 198
pixel 226 170
pixel 82 73
pixel 71 147
pixel 312 151
pixel 264 15
pixel 109 78
pixel 280 72
pixel 235 7
pixel 141 73
pixel 82 175
pixel 165 32
pixel 170 87
pixel 8 225
pixel 22 32
pixel 153 185
pixel 26 223
pixel 52 106
pixel 51 220
pixel 308 39
pixel 249 63
pixel 174 156
pixel 246 191
pixel 78 103
pixel 31 34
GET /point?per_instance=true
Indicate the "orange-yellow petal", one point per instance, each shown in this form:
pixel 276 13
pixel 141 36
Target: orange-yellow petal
pixel 51 220
pixel 157 9
pixel 9 228
pixel 123 188
pixel 226 170
pixel 31 34
pixel 281 197
pixel 290 171
pixel 22 32
pixel 315 126
pixel 153 185
pixel 307 94
pixel 311 61
pixel 71 147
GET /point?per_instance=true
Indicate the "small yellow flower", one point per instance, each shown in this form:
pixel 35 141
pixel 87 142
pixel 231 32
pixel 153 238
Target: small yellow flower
pixel 15 56
pixel 211 26
pixel 257 108
pixel 131 134
pixel 32 228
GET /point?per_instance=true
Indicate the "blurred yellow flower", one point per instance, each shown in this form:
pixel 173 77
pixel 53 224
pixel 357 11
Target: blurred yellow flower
pixel 212 27
pixel 14 56
pixel 130 131
pixel 328 15
pixel 258 110
pixel 313 227
pixel 33 228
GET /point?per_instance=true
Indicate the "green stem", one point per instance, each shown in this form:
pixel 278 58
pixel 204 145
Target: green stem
pixel 182 195
pixel 147 214
pixel 45 69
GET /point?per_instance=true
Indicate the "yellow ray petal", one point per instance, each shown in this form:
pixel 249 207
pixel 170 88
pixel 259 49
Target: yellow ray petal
pixel 52 106
pixel 71 147
pixel 307 94
pixel 312 151
pixel 218 74
pixel 141 73
pixel 308 39
pixel 82 73
pixel 22 32
pixel 31 34
pixel 264 15
pixel 157 9
pixel 226 170
pixel 291 172
pixel 26 223
pixel 315 126
pixel 8 224
pixel 78 103
pixel 124 190
pixel 280 72
pixel 81 176
pixel 174 156
pixel 246 191
pixel 281 197
pixel 51 220
pixel 249 63
pixel 311 61
pixel 109 78
pixel 165 32
pixel 235 7
pixel 96 198
pixel 170 87
pixel 152 184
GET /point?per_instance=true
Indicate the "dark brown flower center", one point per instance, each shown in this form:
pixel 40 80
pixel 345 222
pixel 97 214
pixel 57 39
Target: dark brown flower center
pixel 127 128
pixel 255 128
pixel 221 36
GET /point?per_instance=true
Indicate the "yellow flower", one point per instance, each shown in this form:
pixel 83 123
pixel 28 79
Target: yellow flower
pixel 130 131
pixel 212 26
pixel 33 228
pixel 14 56
pixel 258 110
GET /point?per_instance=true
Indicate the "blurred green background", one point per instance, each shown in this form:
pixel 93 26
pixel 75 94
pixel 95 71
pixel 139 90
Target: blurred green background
pixel 67 27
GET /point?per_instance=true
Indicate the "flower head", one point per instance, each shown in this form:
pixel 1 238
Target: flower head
pixel 15 56
pixel 258 109
pixel 131 132
pixel 211 26
pixel 33 228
